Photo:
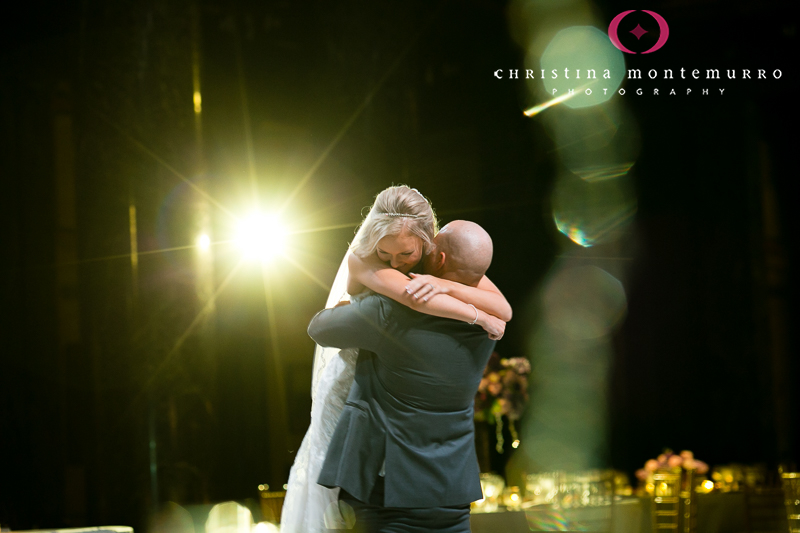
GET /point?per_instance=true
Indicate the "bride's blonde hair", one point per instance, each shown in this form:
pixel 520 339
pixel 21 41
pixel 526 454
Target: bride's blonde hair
pixel 397 208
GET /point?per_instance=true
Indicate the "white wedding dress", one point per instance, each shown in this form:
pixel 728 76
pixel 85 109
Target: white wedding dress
pixel 309 507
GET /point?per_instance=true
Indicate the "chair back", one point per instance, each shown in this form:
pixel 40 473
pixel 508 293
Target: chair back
pixel 666 502
pixel 272 505
pixel 791 495
pixel 689 502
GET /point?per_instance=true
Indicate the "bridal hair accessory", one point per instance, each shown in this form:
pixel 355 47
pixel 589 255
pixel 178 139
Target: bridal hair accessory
pixel 476 315
pixel 407 215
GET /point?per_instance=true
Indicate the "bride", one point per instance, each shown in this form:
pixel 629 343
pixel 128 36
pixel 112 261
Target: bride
pixel 394 237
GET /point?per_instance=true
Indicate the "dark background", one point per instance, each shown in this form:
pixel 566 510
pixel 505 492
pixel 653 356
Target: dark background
pixel 107 371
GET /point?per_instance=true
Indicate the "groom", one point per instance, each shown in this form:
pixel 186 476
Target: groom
pixel 403 452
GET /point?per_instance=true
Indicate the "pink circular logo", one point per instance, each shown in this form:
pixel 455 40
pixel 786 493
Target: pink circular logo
pixel 613 28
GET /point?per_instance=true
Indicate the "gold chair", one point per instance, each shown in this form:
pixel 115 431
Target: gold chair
pixel 271 503
pixel 791 495
pixel 666 502
pixel 689 501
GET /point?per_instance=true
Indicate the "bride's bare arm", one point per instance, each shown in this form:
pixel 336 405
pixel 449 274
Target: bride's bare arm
pixel 392 283
pixel 486 296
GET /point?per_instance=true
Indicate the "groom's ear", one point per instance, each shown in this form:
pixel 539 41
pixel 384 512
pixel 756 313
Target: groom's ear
pixel 441 258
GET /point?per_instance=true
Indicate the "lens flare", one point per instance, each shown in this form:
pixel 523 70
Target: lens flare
pixel 571 356
pixel 229 517
pixel 567 422
pixel 590 213
pixel 261 236
pixel 535 110
pixel 584 302
pixel 603 172
pixel 533 23
pixel 582 58
pixel 595 143
pixel 204 242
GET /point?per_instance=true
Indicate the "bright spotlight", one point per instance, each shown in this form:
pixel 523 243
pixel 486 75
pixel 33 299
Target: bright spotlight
pixel 261 236
pixel 204 242
pixel 229 517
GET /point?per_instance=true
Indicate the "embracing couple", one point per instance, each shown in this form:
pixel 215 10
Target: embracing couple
pixel 391 445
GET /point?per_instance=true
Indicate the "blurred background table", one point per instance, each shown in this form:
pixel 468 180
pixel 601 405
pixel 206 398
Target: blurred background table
pixel 721 512
pixel 101 529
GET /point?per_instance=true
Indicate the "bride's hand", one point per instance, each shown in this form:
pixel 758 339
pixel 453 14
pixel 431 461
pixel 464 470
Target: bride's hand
pixel 424 287
pixel 493 325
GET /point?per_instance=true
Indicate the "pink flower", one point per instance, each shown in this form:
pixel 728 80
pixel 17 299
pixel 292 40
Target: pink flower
pixel 641 474
pixel 675 460
pixel 670 460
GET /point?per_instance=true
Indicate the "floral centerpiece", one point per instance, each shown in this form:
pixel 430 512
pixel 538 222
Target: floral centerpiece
pixel 669 460
pixel 503 391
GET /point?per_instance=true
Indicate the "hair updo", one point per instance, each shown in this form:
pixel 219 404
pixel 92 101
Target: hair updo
pixel 395 209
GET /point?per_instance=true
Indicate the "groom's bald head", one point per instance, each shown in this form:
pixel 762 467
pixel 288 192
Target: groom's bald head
pixel 462 252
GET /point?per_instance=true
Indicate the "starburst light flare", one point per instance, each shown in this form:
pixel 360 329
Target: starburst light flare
pixel 261 236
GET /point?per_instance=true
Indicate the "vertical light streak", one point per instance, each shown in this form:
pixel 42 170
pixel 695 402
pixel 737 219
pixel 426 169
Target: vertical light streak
pixel 280 433
pixel 134 249
pixel 248 131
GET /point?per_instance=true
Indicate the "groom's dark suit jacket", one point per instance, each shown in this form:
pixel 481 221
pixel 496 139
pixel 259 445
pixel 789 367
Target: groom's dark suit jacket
pixel 411 403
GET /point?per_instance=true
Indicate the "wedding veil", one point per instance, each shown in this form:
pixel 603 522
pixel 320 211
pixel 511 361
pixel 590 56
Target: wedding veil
pixel 338 293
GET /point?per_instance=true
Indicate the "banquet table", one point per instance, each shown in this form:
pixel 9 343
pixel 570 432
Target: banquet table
pixel 100 529
pixel 721 512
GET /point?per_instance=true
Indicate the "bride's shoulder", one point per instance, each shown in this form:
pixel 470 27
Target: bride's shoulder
pixel 354 261
pixel 358 265
pixel 362 263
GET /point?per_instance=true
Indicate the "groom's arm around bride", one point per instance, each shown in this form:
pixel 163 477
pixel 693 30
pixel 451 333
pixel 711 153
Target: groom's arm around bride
pixel 403 451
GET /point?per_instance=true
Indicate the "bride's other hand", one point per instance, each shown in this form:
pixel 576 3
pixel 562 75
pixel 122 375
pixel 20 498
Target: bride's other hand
pixel 492 325
pixel 424 287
